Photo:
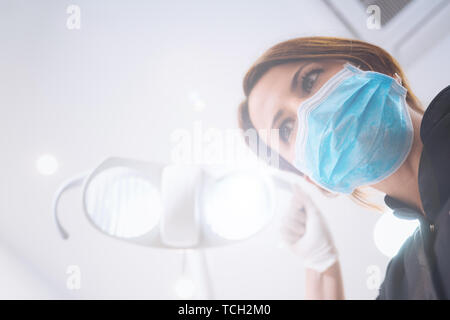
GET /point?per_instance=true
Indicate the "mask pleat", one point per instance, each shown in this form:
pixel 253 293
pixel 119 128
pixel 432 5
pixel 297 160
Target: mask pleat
pixel 361 140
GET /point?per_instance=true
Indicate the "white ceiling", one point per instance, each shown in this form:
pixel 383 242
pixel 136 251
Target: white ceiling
pixel 119 86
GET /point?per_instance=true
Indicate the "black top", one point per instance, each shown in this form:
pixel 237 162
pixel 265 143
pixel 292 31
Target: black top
pixel 421 268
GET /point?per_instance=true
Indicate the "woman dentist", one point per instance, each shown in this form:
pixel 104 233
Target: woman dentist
pixel 348 120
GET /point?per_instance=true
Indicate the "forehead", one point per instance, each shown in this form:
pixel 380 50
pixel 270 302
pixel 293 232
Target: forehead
pixel 270 91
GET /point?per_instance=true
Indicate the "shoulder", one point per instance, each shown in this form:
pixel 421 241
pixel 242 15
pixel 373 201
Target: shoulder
pixel 437 111
pixel 399 269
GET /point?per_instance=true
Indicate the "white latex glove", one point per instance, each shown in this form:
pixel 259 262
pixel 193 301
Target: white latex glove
pixel 306 233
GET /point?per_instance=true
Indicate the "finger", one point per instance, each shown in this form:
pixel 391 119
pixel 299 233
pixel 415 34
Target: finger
pixel 298 214
pixel 293 219
pixel 289 237
pixel 296 230
pixel 294 225
pixel 302 202
pixel 299 192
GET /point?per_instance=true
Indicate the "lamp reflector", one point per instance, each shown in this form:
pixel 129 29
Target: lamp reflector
pixel 391 232
pixel 123 203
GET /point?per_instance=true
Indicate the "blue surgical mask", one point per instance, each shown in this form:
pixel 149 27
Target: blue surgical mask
pixel 355 131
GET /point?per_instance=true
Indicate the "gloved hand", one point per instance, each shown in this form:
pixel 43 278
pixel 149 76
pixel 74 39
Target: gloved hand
pixel 306 233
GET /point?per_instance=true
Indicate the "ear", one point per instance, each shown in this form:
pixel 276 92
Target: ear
pixel 397 78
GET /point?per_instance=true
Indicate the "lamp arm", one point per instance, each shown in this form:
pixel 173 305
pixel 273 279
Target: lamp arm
pixel 69 184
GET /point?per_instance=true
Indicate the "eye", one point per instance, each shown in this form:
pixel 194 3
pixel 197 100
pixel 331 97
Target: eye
pixel 285 130
pixel 310 79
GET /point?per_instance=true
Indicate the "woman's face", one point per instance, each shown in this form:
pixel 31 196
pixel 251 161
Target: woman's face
pixel 274 100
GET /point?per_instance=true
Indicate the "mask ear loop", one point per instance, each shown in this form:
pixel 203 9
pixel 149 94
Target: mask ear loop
pixel 69 184
pixel 398 78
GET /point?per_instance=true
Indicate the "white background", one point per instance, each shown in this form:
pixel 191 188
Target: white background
pixel 119 86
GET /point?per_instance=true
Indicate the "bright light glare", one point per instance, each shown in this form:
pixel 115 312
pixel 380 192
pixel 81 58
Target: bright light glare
pixel 196 101
pixel 47 164
pixel 185 288
pixel 238 206
pixel 123 203
pixel 391 232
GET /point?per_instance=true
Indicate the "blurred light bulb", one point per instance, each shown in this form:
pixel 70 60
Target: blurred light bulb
pixel 238 206
pixel 197 102
pixel 391 232
pixel 185 288
pixel 47 164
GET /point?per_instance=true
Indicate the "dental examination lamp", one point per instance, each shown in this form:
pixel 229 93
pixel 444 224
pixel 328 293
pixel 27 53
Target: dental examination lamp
pixel 174 206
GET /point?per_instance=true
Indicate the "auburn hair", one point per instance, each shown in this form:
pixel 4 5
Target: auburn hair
pixel 366 56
